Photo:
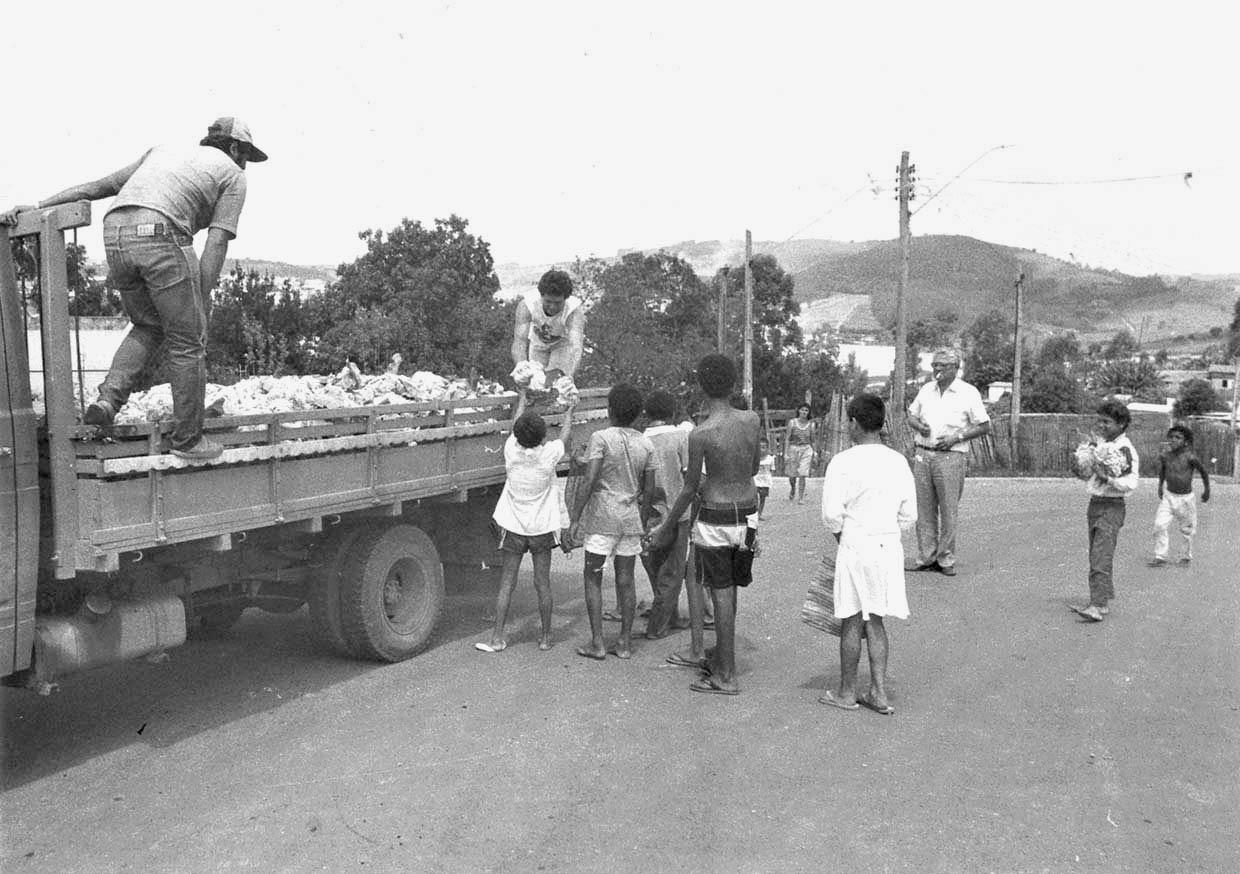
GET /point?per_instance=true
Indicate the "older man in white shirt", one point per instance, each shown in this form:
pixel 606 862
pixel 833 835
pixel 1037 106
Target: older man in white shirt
pixel 946 414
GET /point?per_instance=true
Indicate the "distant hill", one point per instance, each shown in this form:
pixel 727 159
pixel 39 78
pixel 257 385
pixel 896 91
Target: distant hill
pixel 962 274
pixel 283 269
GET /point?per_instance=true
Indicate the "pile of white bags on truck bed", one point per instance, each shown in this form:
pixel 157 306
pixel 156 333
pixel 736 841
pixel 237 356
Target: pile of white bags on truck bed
pixel 350 387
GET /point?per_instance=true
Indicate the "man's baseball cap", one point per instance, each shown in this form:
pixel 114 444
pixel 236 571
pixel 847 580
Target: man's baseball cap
pixel 231 126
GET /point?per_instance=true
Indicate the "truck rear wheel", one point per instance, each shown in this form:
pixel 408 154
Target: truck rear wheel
pixel 391 593
pixel 324 590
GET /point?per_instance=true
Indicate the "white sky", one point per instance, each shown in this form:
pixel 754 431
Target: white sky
pixel 563 129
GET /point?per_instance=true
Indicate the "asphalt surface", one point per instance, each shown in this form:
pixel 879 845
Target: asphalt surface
pixel 1024 740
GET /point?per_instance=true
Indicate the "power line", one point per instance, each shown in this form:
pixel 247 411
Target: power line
pixel 1186 177
pixel 867 186
pixel 958 175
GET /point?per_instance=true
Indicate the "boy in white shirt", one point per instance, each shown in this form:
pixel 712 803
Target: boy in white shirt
pixel 762 479
pixel 868 496
pixel 529 516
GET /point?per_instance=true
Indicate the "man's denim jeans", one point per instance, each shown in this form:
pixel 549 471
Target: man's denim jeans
pixel 158 280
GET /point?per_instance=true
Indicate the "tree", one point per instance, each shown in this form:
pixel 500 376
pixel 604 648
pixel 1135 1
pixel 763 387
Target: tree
pixel 652 322
pixel 1197 396
pixel 1122 345
pixel 925 335
pixel 255 328
pixel 88 296
pixel 989 345
pixel 1137 378
pixel 1233 333
pixel 1061 349
pixel 1053 390
pixel 427 293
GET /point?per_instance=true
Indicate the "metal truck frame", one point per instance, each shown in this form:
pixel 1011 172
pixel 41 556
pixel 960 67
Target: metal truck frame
pixel 112 548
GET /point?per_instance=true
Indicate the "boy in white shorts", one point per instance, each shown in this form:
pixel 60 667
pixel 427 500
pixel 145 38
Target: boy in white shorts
pixel 612 505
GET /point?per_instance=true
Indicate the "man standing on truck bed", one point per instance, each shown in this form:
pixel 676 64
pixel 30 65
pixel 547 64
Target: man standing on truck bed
pixel 550 327
pixel 162 200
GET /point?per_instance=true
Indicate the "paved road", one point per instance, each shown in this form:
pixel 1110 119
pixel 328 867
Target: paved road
pixel 1024 741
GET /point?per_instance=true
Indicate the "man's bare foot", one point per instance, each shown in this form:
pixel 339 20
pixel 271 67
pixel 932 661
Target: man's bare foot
pixel 590 652
pixel 621 652
pixel 544 643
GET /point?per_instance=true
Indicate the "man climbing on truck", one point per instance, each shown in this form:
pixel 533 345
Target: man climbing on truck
pixel 162 200
pixel 549 329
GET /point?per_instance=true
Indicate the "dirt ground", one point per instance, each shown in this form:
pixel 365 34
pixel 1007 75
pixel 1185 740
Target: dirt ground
pixel 1023 741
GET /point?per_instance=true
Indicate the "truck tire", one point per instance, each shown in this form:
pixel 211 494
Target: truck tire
pixel 391 593
pixel 324 591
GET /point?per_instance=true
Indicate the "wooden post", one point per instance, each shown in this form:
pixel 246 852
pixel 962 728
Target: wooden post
pixel 897 377
pixel 1017 346
pixel 1235 402
pixel 747 389
pixel 721 319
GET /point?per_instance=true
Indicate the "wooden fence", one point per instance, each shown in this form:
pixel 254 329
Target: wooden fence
pixel 1047 441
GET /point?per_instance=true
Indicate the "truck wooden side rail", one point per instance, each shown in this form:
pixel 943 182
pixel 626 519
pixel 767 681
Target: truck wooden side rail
pixel 113 548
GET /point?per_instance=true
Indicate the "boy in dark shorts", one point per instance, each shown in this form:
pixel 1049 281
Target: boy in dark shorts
pixel 724 533
pixel 1175 473
pixel 528 516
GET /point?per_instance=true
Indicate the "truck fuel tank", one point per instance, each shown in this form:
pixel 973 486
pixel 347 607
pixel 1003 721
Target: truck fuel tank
pixel 103 632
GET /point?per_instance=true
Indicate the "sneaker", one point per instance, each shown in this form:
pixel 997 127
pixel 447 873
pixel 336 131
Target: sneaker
pixel 100 414
pixel 203 450
pixel 1156 562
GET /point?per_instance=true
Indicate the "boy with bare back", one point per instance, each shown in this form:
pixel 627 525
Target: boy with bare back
pixel 724 533
pixel 1175 473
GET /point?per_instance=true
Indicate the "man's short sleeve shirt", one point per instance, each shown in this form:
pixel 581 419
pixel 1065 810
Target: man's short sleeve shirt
pixel 196 187
pixel 959 407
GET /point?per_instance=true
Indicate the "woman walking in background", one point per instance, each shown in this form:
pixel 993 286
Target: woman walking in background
pixel 798 452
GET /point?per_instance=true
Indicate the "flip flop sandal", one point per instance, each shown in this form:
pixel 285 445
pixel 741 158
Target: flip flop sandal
pixel 681 662
pixel 707 685
pixel 869 704
pixel 830 699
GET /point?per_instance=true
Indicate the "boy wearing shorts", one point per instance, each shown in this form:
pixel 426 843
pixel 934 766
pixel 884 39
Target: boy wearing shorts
pixel 723 458
pixel 528 516
pixel 608 517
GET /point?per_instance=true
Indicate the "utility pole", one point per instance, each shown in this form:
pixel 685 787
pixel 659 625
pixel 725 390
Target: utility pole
pixel 1018 345
pixel 897 378
pixel 747 390
pixel 721 321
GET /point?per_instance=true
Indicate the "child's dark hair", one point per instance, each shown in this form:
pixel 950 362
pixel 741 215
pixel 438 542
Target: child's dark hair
pixel 555 283
pixel 660 405
pixel 624 403
pixel 529 430
pixel 1117 411
pixel 1184 431
pixel 716 375
pixel 868 411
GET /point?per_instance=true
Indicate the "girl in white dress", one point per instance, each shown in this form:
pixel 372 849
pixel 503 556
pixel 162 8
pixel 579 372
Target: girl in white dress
pixel 868 496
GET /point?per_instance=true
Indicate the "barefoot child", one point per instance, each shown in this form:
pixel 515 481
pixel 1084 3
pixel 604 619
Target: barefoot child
pixel 723 457
pixel 868 496
pixel 666 567
pixel 1112 476
pixel 612 502
pixel 1175 471
pixel 528 516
